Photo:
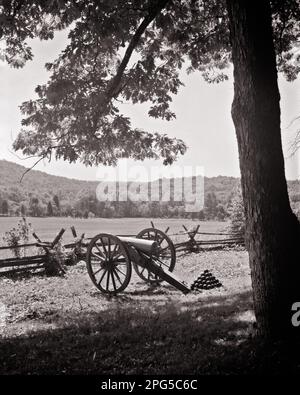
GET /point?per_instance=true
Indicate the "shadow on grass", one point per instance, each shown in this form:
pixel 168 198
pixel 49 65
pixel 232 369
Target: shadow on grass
pixel 207 336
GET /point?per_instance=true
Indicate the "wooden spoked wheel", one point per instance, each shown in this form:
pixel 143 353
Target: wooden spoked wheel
pixel 108 263
pixel 165 255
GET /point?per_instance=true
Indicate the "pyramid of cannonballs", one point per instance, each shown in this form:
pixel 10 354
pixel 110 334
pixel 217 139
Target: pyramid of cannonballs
pixel 205 281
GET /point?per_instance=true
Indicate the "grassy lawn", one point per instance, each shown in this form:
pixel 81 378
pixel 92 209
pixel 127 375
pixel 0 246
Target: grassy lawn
pixel 63 325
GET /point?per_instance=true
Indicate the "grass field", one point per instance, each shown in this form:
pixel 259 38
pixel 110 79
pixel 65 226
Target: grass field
pixel 47 228
pixel 64 325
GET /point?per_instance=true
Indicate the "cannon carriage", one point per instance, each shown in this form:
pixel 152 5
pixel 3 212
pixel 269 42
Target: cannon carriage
pixel 151 253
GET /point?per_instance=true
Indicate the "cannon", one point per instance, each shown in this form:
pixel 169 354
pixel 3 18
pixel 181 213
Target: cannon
pixel 151 253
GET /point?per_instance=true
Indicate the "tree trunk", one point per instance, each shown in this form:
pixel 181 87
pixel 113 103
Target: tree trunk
pixel 272 230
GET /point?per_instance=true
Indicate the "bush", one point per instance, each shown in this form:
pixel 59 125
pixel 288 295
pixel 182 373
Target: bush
pixel 17 236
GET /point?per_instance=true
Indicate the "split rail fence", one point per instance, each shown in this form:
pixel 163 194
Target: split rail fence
pixel 51 259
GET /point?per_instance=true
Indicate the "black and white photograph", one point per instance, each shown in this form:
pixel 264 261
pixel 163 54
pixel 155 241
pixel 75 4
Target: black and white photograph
pixel 149 191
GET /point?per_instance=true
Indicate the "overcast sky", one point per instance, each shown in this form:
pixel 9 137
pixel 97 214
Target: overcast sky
pixel 202 110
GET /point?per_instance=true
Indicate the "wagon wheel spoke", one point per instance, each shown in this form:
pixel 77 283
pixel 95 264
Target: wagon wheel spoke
pixel 102 277
pixel 120 271
pixel 108 263
pixel 159 243
pixel 98 256
pixel 99 270
pixel 160 239
pixel 115 257
pixel 165 256
pixel 109 249
pixel 101 253
pixel 117 276
pixel 113 280
pixel 104 247
pixel 107 280
pixel 115 250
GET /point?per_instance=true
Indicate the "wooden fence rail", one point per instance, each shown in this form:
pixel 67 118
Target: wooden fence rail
pixel 17 246
pixel 47 260
pixel 76 250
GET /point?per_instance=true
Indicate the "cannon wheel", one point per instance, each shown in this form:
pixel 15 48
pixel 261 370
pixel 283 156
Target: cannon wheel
pixel 108 263
pixel 165 257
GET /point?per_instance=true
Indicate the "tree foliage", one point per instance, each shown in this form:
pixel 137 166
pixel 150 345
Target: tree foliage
pixel 21 20
pixel 132 50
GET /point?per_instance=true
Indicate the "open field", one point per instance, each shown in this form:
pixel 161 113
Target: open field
pixel 47 228
pixel 64 325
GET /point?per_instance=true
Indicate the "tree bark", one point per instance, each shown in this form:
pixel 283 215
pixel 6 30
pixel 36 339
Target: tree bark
pixel 272 230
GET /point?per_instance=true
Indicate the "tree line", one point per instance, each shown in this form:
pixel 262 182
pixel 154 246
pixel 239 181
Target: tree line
pixel 88 207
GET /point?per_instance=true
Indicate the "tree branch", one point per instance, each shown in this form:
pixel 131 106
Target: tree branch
pixel 114 86
pixel 295 145
pixel 30 168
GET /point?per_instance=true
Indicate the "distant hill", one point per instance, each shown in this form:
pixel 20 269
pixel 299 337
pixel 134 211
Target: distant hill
pixel 42 194
pixel 39 182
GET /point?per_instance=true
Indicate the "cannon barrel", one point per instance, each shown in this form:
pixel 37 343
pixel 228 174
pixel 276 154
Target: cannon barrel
pixel 148 246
